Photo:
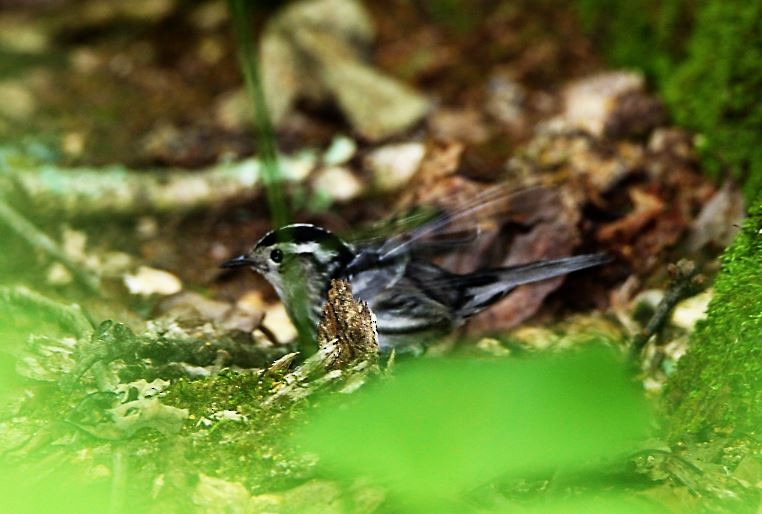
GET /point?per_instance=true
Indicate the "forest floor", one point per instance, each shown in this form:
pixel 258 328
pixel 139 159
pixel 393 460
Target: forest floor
pixel 141 375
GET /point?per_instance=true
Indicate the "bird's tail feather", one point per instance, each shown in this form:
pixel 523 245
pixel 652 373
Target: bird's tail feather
pixel 485 287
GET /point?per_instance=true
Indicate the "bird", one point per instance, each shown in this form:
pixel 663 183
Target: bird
pixel 414 300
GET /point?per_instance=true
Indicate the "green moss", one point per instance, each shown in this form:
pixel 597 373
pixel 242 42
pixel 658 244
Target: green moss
pixel 253 450
pixel 717 388
pixel 718 90
pixel 647 34
pixel 703 55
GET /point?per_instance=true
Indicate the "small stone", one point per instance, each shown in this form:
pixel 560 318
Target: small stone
pixel 393 166
pixel 466 125
pixel 147 227
pixel 209 15
pixel 73 143
pixel 506 101
pixel 58 275
pixel 341 150
pixel 634 114
pixel 338 183
pixel 229 415
pixel 74 243
pixel 114 263
pixel 492 346
pixel 233 110
pixel 147 281
pixel 251 301
pixel 277 320
pixel 210 50
pixel 297 167
pixel 589 102
pixel 16 101
pixel 19 35
pixel 691 310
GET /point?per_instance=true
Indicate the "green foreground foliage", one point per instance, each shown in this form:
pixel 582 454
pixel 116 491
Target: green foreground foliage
pixel 444 435
pixel 704 57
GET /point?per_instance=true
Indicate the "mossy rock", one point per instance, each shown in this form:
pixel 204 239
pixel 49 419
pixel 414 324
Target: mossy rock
pixel 703 55
pixel 717 388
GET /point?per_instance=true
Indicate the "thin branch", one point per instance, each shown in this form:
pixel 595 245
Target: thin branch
pixel 686 280
pixel 40 241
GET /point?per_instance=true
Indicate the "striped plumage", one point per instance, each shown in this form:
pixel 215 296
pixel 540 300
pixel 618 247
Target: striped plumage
pixel 412 298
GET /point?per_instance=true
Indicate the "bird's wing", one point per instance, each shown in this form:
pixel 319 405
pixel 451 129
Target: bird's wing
pixel 404 309
pixel 435 230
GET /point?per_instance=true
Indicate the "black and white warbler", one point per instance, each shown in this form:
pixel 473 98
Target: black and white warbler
pixel 412 298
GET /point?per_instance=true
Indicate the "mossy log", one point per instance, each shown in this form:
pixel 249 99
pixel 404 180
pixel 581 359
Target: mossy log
pixel 717 388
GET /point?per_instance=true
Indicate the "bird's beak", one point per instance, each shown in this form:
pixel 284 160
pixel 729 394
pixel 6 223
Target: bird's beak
pixel 241 260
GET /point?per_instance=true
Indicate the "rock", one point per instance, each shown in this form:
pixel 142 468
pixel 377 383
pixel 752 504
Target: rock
pixel 719 219
pixel 342 149
pixel 214 495
pixel 506 101
pixel 691 310
pixel 590 102
pixel 147 281
pixel 338 184
pixel 392 166
pixel 16 101
pixel 277 320
pixel 466 125
pixel 318 49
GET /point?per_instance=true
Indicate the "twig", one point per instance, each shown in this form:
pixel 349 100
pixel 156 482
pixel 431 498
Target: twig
pixel 39 240
pixel 686 280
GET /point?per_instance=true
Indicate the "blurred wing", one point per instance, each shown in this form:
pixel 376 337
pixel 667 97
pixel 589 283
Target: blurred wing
pixel 434 230
pixel 444 226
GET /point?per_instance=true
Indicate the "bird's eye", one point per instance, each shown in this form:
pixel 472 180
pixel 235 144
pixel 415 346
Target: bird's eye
pixel 276 255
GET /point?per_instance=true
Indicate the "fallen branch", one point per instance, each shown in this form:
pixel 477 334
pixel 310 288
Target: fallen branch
pixel 83 192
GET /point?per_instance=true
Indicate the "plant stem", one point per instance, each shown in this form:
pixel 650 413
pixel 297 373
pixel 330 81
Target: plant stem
pixel 240 11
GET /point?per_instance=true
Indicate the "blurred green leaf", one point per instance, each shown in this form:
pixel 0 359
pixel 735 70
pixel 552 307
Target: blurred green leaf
pixel 589 504
pixel 441 428
pixel 60 492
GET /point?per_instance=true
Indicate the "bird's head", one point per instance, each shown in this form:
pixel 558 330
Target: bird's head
pixel 296 256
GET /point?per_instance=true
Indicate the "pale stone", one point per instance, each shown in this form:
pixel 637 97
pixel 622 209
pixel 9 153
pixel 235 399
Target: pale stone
pixel 338 183
pixel 393 166
pixel 147 281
